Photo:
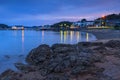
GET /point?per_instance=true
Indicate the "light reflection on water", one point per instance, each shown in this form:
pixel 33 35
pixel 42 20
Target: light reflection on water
pixel 23 41
pixel 87 37
pixel 75 36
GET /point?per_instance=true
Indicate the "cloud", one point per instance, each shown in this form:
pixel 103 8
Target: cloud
pixel 48 17
pixel 49 11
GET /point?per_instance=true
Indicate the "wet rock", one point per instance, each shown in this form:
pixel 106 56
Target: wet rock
pixel 9 75
pixel 38 55
pixel 96 43
pixel 104 77
pixel 98 57
pixel 57 77
pixel 117 53
pixel 64 57
pixel 100 48
pixel 88 44
pixel 77 70
pixel 84 44
pixel 85 57
pixel 25 68
pixel 63 48
pixel 44 72
pixel 6 74
pixel 57 64
pixel 113 44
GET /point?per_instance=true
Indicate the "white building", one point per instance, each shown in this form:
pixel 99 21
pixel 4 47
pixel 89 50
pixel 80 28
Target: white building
pixel 14 27
pixel 84 24
pixel 17 28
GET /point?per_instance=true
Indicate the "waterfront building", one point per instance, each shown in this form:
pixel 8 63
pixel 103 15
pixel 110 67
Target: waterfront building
pixel 113 22
pixel 84 24
pixel 18 28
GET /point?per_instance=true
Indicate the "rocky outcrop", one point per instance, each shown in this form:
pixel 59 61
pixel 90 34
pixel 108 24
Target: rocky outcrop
pixel 25 67
pixel 70 62
pixel 10 75
pixel 61 57
pixel 113 44
pixel 38 55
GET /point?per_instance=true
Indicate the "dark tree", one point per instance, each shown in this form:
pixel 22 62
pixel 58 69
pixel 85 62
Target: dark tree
pixel 62 25
pixel 111 17
pixel 83 20
pixel 117 27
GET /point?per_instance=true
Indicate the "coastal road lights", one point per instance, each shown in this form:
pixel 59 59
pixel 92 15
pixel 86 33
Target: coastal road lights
pixel 103 21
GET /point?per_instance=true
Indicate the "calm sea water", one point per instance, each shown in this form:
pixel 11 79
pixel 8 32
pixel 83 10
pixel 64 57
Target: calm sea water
pixel 15 44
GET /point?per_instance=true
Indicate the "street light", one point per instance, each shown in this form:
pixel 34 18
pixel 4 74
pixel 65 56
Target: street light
pixel 103 20
pixel 103 17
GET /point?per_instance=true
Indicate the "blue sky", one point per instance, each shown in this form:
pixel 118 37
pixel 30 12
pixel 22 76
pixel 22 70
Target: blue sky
pixel 40 12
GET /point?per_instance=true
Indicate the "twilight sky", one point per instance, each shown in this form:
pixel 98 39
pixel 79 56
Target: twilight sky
pixel 40 12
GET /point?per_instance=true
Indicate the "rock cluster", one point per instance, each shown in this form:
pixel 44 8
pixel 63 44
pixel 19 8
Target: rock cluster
pixel 113 44
pixel 67 62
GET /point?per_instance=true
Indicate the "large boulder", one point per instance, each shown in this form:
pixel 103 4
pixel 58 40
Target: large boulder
pixel 63 48
pixel 61 57
pixel 89 44
pixel 38 55
pixel 57 77
pixel 113 44
pixel 84 46
pixel 65 58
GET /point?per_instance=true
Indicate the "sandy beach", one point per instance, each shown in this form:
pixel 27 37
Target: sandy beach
pixel 105 34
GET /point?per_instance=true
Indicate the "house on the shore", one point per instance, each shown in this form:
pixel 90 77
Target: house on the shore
pixel 83 24
pixel 18 28
pixel 45 27
pixel 113 22
pixel 99 23
pixel 109 23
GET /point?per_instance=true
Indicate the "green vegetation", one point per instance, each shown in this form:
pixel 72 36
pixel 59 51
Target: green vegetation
pixel 62 25
pixel 117 27
pixel 113 16
pixel 83 20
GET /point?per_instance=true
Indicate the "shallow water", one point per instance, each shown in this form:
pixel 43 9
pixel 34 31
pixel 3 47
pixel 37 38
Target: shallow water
pixel 15 43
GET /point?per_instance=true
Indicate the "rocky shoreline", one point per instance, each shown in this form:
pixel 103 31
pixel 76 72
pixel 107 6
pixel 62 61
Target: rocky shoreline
pixel 82 61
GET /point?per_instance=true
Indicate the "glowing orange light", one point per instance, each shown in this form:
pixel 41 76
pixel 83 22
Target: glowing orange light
pixel 103 16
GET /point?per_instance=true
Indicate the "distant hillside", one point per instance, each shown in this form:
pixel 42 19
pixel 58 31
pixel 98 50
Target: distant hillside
pixel 111 17
pixel 62 25
pixel 3 26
